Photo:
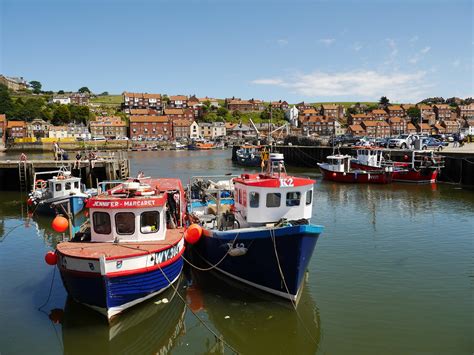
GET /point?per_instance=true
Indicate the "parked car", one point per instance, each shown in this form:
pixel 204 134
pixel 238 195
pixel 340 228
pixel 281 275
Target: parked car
pixel 381 142
pixel 344 139
pixel 402 141
pixel 96 139
pixel 432 143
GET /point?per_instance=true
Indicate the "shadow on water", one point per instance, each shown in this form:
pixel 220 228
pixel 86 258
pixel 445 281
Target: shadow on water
pixel 254 323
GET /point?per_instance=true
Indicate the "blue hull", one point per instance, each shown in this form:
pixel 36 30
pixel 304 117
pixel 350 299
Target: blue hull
pixel 112 295
pixel 77 205
pixel 259 267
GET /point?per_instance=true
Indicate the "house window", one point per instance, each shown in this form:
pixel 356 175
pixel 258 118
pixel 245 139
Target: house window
pixel 101 223
pixel 254 199
pixel 125 223
pixel 150 222
pixel 273 199
pixel 293 198
pixel 309 197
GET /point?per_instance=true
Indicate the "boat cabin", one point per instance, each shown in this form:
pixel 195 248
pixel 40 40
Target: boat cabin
pixel 270 197
pixel 370 157
pixel 63 186
pixel 338 163
pixel 135 212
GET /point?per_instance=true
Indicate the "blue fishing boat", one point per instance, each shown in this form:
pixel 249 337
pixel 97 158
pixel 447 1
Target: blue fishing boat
pixel 265 239
pixel 62 189
pixel 133 248
pixel 249 155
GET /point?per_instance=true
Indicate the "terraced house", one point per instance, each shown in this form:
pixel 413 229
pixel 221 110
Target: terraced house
pixel 141 101
pixel 466 111
pixel 178 101
pixel 150 127
pixel 427 114
pixel 442 111
pixel 332 111
pixel 109 127
pixel 395 111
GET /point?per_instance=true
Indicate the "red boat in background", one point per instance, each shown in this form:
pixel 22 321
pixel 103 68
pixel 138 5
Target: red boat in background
pixel 421 167
pixel 338 168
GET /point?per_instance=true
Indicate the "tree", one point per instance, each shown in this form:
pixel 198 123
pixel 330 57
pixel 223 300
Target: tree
pixel 415 114
pixel 384 101
pixel 222 112
pixel 236 114
pixel 36 86
pixel 105 93
pixel 79 113
pixel 276 114
pixel 61 115
pixel 210 117
pixel 29 110
pixel 84 90
pixel 61 92
pixel 6 103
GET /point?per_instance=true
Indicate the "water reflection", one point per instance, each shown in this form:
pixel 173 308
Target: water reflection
pixel 256 323
pixel 152 327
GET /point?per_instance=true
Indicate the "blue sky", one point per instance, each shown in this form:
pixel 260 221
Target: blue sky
pixel 293 50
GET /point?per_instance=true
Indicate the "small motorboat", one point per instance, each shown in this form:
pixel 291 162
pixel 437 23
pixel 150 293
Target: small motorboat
pixel 249 155
pixel 63 189
pixel 256 227
pixel 338 168
pixel 132 250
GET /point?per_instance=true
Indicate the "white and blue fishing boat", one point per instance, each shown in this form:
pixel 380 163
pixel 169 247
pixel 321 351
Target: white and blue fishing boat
pixel 62 189
pixel 133 248
pixel 249 155
pixel 265 239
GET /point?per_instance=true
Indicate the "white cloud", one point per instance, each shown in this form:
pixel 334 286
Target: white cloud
pixel 361 84
pixel 282 42
pixel 268 81
pixel 419 56
pixel 327 41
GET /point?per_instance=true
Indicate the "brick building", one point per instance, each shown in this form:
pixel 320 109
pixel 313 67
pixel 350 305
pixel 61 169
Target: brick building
pixel 78 98
pixel 358 118
pixel 397 125
pixel 3 128
pixel 178 101
pixel 150 127
pixel 16 129
pixel 332 111
pixel 376 128
pixel 442 112
pixel 395 111
pixel 466 111
pixel 179 114
pixel 141 100
pixel 379 115
pixel 356 130
pixel 181 128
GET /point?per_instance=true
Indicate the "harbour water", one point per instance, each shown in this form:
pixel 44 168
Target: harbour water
pixel 392 273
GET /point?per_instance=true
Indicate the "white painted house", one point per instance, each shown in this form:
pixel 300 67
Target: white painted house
pixel 218 130
pixel 63 100
pixel 292 116
pixel 194 131
pixel 58 132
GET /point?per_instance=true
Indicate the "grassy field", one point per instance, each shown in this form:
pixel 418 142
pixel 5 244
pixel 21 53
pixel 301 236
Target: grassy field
pixel 107 100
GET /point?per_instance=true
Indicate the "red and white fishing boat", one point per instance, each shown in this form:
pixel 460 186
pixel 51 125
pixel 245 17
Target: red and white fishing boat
pixel 132 250
pixel 338 168
pixel 420 166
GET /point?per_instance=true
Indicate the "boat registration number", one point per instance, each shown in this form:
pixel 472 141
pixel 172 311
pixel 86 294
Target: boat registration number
pixel 286 182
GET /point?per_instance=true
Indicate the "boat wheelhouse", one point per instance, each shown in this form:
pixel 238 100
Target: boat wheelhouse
pixel 133 248
pixel 249 155
pixel 338 168
pixel 265 238
pixel 62 189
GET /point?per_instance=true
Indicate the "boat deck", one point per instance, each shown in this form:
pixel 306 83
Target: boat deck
pixel 94 250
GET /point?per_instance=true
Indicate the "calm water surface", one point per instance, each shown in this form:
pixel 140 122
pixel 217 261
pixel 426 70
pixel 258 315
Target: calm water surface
pixel 392 273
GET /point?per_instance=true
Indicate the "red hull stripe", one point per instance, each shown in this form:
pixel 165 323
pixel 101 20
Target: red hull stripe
pixel 146 269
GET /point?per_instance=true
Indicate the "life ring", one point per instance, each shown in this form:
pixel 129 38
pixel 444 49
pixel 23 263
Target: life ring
pixel 41 184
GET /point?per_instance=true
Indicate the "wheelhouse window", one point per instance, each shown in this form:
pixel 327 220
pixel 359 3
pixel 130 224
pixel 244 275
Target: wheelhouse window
pixel 273 199
pixel 254 198
pixel 125 222
pixel 293 198
pixel 76 184
pixel 101 222
pixel 67 186
pixel 149 222
pixel 309 197
pixel 58 187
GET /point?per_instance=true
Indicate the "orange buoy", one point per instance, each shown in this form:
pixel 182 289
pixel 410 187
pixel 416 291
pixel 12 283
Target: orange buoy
pixel 60 224
pixel 193 233
pixel 51 258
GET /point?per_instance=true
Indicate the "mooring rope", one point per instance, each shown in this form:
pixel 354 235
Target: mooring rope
pixel 217 337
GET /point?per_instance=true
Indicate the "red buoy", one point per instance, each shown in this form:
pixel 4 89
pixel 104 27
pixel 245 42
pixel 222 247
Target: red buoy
pixel 60 224
pixel 193 233
pixel 405 157
pixel 51 258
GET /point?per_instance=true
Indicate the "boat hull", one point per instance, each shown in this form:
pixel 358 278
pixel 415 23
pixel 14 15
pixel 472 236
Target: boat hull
pixel 76 204
pixel 258 266
pixel 405 174
pixel 112 294
pixel 363 177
